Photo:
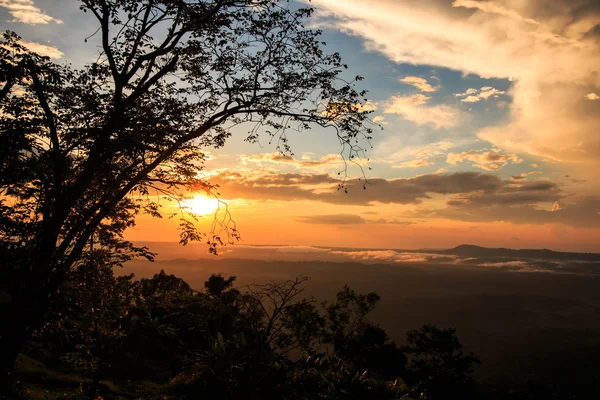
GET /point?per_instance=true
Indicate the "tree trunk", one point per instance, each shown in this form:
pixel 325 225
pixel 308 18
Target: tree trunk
pixel 12 338
pixel 18 320
pixel 93 388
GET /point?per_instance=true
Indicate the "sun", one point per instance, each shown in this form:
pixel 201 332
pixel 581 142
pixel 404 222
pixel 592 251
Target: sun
pixel 202 205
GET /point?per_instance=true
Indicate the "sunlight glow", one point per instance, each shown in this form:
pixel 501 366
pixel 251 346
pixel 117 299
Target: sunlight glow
pixel 203 205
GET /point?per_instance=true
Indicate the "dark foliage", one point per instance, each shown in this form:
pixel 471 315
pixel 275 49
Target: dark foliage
pixel 258 342
pixel 437 364
pixel 84 151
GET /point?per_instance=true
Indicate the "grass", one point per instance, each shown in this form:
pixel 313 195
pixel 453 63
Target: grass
pixel 36 382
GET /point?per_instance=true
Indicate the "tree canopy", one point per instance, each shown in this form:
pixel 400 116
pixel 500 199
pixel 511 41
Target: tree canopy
pixel 158 338
pixel 83 150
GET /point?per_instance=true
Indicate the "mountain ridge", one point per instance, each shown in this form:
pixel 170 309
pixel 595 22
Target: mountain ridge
pixel 469 250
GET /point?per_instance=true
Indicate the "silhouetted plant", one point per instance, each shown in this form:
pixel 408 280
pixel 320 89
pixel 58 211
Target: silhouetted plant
pixel 82 150
pixel 258 342
pixel 439 368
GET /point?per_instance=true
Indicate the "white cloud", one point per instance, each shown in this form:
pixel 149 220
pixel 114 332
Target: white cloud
pixel 592 96
pixel 495 42
pixel 42 49
pixel 503 264
pixel 26 12
pixel 380 119
pixel 486 92
pixel 415 109
pixel 471 99
pixel 467 92
pixel 475 95
pixel 419 83
pixel 488 160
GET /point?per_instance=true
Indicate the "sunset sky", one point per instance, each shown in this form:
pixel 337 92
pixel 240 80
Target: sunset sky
pixel 491 128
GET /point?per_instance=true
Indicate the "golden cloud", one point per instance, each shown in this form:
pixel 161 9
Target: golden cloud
pixel 414 164
pixel 474 95
pixel 495 8
pixel 415 109
pixel 553 62
pixel 488 160
pixel 419 83
pixel 305 162
pixel 42 49
pixel 26 12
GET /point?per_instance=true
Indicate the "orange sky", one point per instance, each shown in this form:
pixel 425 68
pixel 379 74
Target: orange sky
pixel 282 222
pixel 490 113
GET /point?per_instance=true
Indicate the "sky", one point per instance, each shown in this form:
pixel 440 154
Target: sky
pixel 490 112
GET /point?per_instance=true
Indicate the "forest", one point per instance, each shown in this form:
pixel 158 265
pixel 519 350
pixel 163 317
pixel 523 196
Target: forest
pixel 88 148
pixel 117 337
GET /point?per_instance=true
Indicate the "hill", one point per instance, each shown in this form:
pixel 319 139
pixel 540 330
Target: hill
pixel 467 250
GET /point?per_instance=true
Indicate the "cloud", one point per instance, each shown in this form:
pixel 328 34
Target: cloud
pixel 348 219
pixel 471 99
pixel 488 160
pixel 592 96
pixel 414 164
pixel 260 178
pixel 336 110
pixel 574 180
pixel 383 256
pixel 419 83
pixel 392 221
pixel 380 119
pixel 42 49
pixel 407 156
pixel 521 177
pixel 415 109
pixel 493 7
pixel 470 196
pixel 510 194
pixel 470 187
pixel 427 155
pixel 582 212
pixel 329 159
pixel 26 12
pixel 474 95
pixel 547 116
pixel 335 219
pixel 434 149
pixel 468 92
pixel 283 248
pixel 516 264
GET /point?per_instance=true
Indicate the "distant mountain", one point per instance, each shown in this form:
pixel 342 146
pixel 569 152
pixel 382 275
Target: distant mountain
pixel 467 250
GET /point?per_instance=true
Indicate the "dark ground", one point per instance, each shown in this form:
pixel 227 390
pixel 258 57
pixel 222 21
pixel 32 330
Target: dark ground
pixel 527 328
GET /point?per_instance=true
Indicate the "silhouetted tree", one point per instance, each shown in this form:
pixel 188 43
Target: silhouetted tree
pixel 83 149
pixel 439 367
pixel 257 342
pixel 357 341
pixel 89 320
pixel 161 285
